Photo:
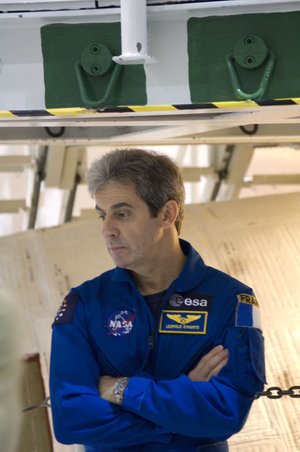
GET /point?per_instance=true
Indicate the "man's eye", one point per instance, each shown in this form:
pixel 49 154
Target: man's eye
pixel 123 214
pixel 101 216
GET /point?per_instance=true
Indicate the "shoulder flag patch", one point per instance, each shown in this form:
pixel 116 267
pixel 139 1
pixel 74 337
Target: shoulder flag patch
pixel 248 299
pixel 247 311
pixel 66 311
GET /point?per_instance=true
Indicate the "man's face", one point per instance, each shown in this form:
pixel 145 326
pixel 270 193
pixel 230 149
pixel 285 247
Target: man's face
pixel 131 234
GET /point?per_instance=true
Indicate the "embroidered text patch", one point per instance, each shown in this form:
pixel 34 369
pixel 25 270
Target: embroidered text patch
pixel 183 322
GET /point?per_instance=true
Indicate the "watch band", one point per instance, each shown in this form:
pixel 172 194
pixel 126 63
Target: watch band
pixel 119 389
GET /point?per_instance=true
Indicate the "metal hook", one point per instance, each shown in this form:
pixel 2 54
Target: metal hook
pixel 44 404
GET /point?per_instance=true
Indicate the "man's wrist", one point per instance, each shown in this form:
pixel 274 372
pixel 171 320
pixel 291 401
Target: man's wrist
pixel 119 389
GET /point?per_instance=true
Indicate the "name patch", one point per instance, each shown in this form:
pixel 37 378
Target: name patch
pixel 192 301
pixel 183 322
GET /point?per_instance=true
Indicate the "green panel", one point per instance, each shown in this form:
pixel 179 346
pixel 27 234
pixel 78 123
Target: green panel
pixel 78 56
pixel 212 39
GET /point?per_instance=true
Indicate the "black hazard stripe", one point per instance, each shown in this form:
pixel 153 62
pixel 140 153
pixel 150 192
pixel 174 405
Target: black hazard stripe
pixel 216 105
pixel 66 311
pixel 31 113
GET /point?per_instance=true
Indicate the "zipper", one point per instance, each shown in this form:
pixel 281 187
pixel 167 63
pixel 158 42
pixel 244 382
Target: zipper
pixel 150 342
pixel 151 337
pixel 154 334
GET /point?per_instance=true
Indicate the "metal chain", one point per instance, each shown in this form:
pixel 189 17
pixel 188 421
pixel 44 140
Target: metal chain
pixel 275 392
pixel 45 403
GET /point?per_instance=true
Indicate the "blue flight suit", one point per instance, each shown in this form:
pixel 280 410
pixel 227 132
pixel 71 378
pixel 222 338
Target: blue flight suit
pixel 104 327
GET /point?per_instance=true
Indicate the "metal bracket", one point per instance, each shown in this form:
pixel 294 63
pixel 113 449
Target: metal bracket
pixel 96 60
pixel 250 52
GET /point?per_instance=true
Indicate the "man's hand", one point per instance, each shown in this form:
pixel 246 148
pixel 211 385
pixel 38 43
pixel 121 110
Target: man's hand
pixel 106 388
pixel 210 365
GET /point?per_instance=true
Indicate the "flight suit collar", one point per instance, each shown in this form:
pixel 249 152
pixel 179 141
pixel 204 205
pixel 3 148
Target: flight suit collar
pixel 189 278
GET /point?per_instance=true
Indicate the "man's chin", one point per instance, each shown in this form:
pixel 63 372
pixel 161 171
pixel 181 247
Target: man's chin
pixel 119 262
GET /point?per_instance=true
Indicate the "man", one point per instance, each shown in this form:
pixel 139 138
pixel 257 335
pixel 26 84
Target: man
pixel 161 353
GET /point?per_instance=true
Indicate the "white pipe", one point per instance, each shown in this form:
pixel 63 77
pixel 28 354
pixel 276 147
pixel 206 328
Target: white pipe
pixel 133 33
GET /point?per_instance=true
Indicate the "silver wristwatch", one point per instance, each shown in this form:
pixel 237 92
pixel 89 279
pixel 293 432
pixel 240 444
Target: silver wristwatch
pixel 119 389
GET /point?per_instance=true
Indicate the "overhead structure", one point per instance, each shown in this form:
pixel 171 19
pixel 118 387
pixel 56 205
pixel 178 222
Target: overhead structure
pixel 114 73
pixel 188 72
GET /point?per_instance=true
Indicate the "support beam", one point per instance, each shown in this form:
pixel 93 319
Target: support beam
pixel 275 179
pixel 12 205
pixel 237 167
pixel 193 174
pixel 133 33
pixel 38 178
pixel 14 163
pixel 54 165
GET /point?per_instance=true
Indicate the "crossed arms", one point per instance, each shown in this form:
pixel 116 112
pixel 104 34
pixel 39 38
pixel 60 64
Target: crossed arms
pixel 208 366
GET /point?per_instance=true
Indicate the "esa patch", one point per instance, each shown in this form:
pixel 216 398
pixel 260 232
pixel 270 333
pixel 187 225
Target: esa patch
pixel 183 322
pixel 66 311
pixel 120 323
pixel 247 311
pixel 190 300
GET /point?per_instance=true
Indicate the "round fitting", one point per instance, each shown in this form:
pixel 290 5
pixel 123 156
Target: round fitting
pixel 96 59
pixel 250 51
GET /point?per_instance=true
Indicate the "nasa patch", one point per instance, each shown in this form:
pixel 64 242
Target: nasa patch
pixel 191 300
pixel 120 323
pixel 66 311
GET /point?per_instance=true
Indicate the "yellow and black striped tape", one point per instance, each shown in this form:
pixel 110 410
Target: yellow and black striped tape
pixel 76 111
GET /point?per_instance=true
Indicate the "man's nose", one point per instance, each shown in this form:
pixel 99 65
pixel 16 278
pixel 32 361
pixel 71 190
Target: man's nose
pixel 109 228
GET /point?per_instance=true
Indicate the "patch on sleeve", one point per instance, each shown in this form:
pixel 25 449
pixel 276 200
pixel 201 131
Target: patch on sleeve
pixel 247 311
pixel 66 311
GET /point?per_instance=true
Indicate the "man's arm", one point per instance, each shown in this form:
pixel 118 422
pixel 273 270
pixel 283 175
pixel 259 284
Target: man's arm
pixel 208 366
pixel 216 408
pixel 79 414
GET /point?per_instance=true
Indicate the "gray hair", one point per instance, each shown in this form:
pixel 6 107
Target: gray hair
pixel 155 178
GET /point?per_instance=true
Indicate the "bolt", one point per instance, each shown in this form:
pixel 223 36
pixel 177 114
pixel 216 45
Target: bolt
pixel 249 40
pixel 249 60
pixel 95 49
pixel 96 68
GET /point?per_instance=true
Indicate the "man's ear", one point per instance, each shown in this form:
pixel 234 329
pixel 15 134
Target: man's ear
pixel 169 213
